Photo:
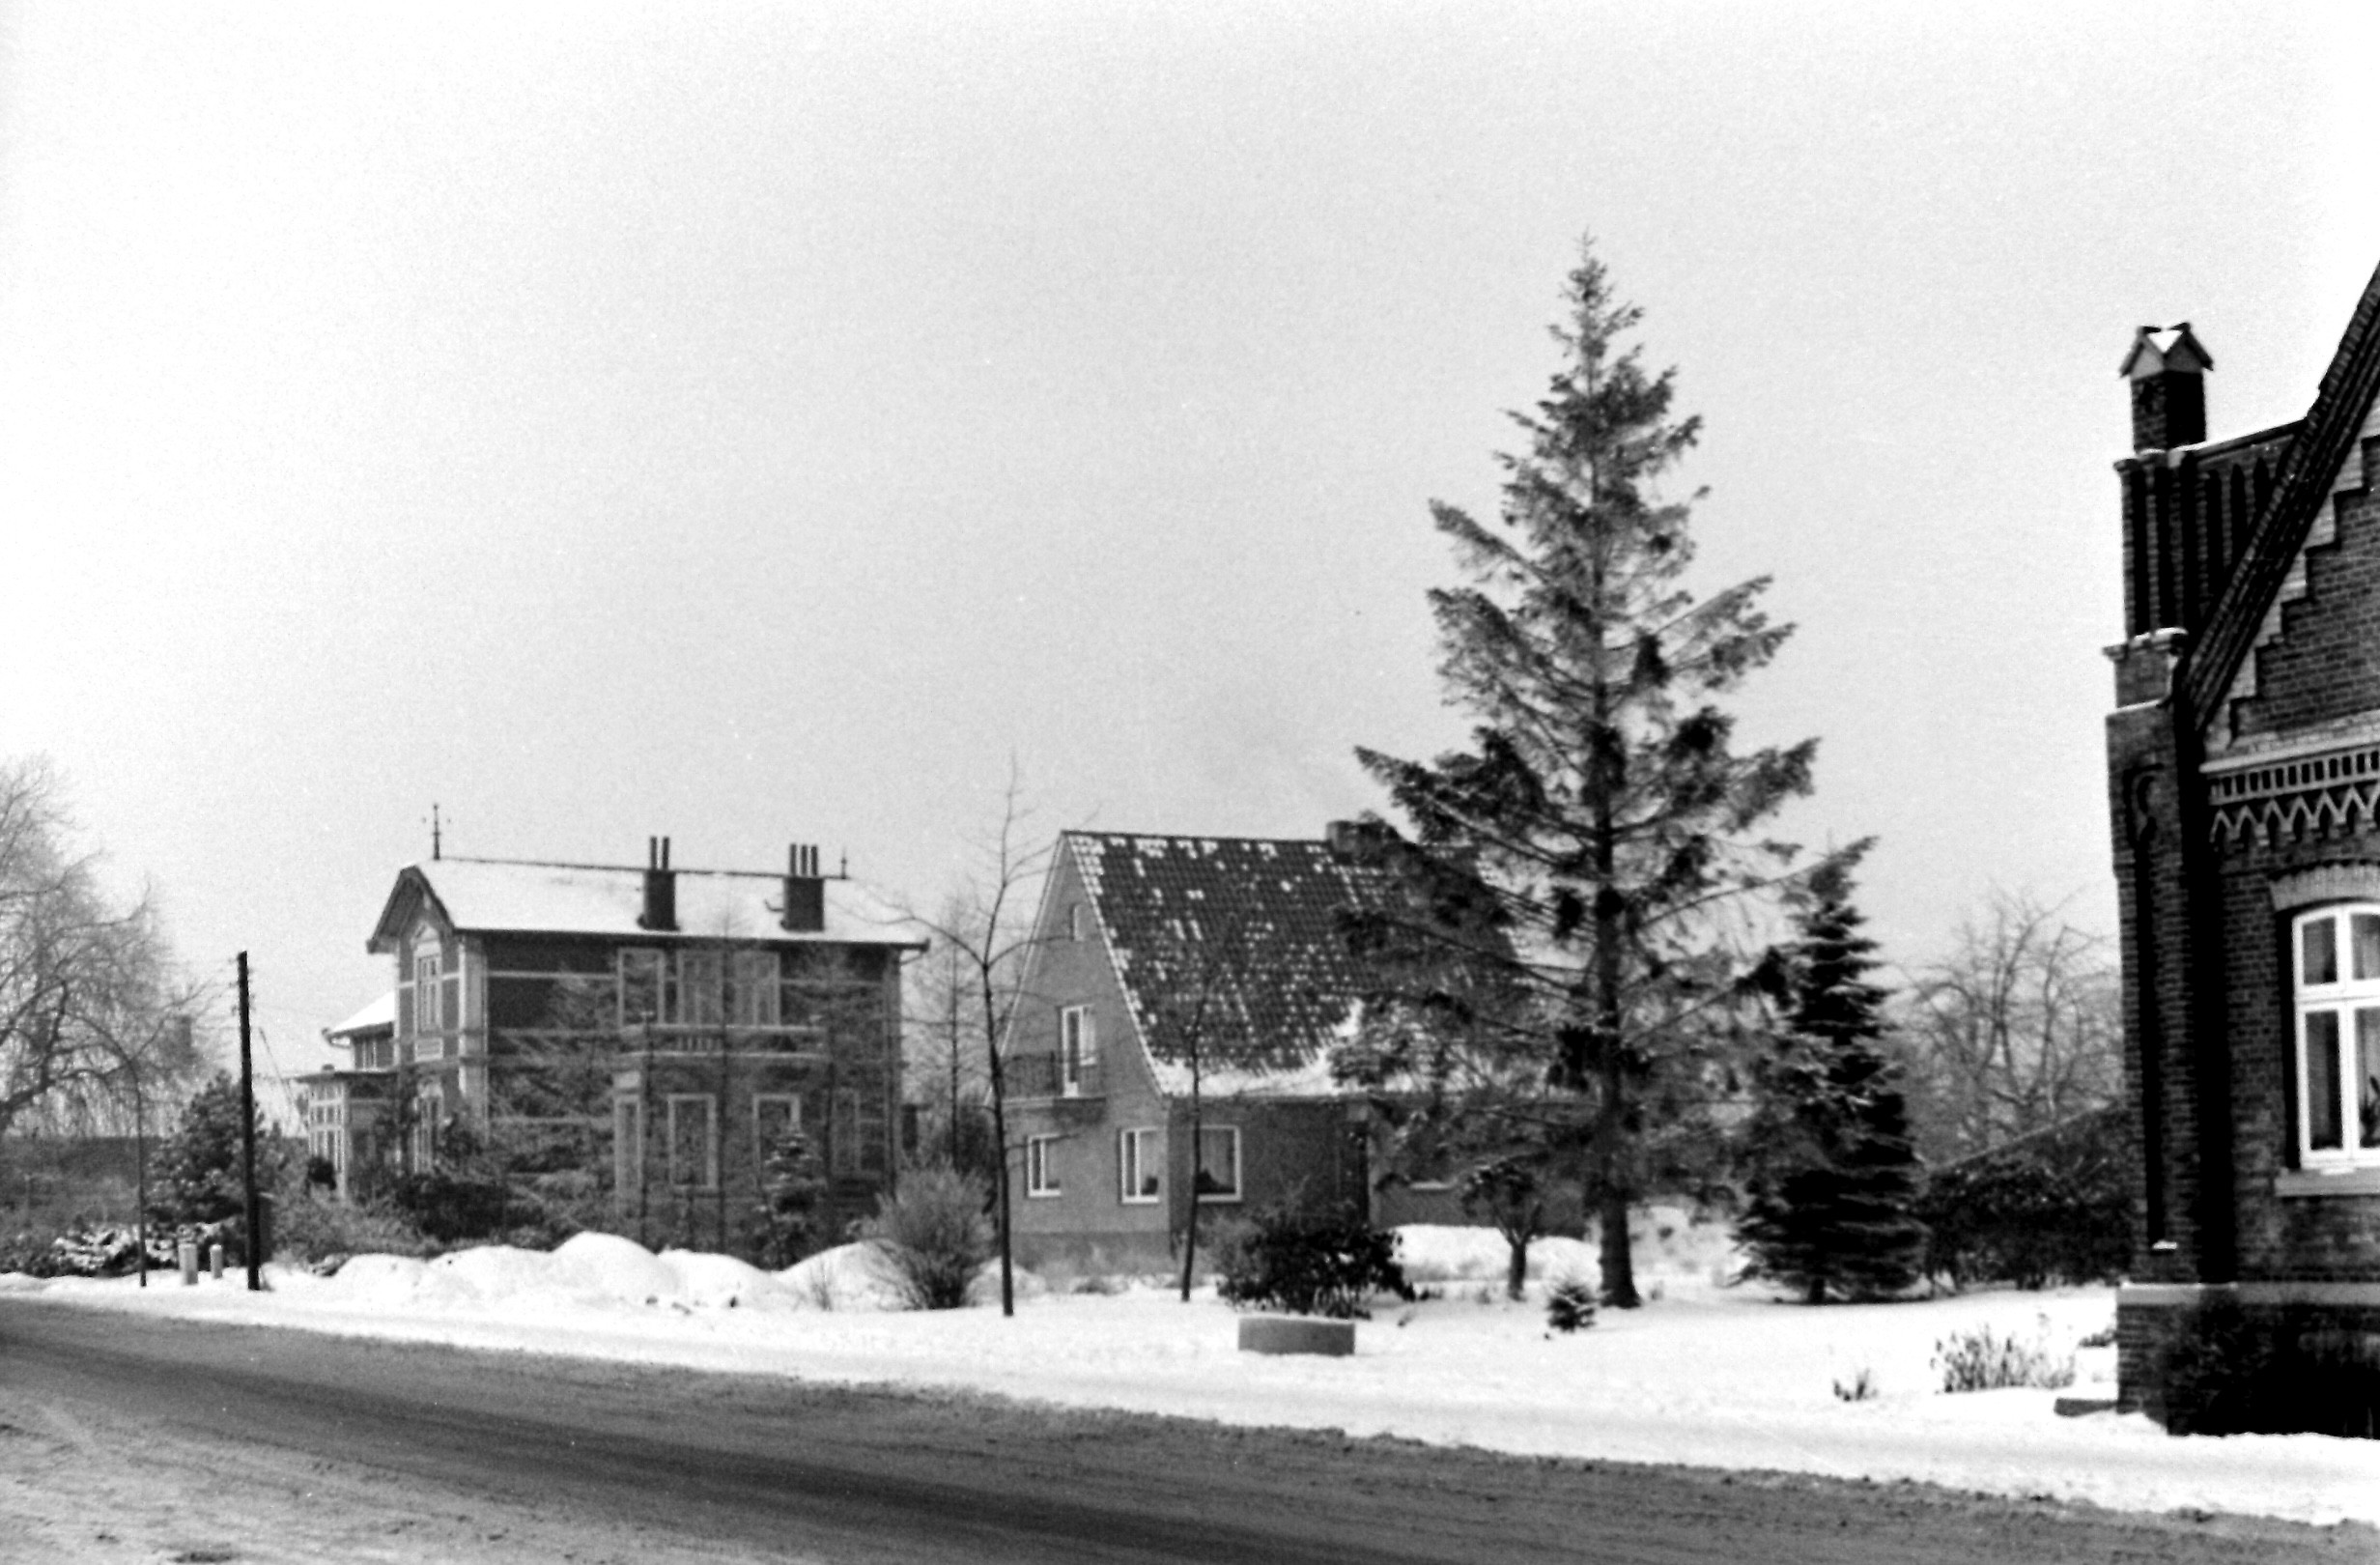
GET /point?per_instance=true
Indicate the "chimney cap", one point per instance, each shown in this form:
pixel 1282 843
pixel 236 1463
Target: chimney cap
pixel 2184 354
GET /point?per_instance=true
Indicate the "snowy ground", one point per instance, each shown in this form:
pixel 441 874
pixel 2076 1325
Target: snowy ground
pixel 1702 1374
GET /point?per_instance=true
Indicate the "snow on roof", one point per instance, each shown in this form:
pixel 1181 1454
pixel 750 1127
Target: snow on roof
pixel 1235 940
pixel 598 900
pixel 379 1014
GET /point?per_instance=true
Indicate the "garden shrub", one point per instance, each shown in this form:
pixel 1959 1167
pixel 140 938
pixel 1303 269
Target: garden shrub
pixel 1308 1265
pixel 2055 1208
pixel 931 1235
pixel 1983 1360
pixel 2226 1372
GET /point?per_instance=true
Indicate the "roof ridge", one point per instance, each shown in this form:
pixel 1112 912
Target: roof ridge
pixel 621 869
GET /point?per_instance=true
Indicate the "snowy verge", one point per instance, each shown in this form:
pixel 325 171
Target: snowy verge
pixel 1703 1374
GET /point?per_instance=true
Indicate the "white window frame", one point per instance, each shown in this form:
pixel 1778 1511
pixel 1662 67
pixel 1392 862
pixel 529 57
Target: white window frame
pixel 2344 1005
pixel 641 967
pixel 1139 1165
pixel 1041 1179
pixel 705 1108
pixel 428 982
pixel 1199 1166
pixel 755 977
pixel 793 1120
pixel 627 1147
pixel 698 997
pixel 1078 1049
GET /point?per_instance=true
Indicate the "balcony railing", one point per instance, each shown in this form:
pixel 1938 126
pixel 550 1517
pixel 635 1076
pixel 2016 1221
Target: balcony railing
pixel 1048 1075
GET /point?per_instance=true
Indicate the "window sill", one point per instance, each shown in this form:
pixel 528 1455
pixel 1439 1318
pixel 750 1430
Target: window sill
pixel 1137 1201
pixel 1232 1200
pixel 2301 1182
pixel 1043 1195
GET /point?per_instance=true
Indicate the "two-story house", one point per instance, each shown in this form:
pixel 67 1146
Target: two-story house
pixel 655 1030
pixel 2244 793
pixel 1160 964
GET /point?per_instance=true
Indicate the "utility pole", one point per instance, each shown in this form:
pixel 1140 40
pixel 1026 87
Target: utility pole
pixel 247 1135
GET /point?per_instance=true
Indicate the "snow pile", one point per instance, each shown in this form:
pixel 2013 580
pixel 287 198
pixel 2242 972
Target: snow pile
pixel 1704 1375
pixel 1677 1253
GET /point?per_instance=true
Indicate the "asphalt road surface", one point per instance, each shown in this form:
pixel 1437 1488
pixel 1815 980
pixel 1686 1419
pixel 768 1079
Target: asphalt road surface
pixel 142 1439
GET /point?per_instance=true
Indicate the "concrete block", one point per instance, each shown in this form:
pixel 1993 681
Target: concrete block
pixel 1297 1334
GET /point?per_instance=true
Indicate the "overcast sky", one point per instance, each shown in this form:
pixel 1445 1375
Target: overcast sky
pixel 758 424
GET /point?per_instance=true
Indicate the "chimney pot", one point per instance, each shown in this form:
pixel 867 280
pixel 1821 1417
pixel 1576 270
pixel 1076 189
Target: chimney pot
pixel 660 888
pixel 805 908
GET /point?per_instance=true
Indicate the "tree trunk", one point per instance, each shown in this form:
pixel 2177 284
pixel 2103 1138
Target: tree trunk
pixel 1000 1144
pixel 1515 1265
pixel 1190 1224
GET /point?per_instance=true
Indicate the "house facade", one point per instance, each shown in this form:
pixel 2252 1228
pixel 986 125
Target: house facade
pixel 347 1109
pixel 1159 964
pixel 646 1034
pixel 2244 795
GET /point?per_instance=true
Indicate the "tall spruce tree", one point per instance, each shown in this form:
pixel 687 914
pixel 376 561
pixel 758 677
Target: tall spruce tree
pixel 1599 796
pixel 1834 1178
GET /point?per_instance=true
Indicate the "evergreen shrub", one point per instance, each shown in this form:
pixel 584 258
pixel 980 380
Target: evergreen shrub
pixel 2054 1209
pixel 2290 1371
pixel 1305 1263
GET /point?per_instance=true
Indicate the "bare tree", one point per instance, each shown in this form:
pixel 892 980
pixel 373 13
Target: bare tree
pixel 987 923
pixel 945 1057
pixel 2016 1030
pixel 92 1015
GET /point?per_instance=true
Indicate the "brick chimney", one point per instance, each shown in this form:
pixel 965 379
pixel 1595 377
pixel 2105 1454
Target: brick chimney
pixel 1358 843
pixel 2168 388
pixel 661 887
pixel 805 892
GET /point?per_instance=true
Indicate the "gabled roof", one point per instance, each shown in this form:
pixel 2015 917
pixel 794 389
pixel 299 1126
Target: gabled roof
pixel 1231 945
pixel 2323 443
pixel 522 897
pixel 379 1017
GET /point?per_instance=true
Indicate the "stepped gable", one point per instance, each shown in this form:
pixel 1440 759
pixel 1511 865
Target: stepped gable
pixel 2325 446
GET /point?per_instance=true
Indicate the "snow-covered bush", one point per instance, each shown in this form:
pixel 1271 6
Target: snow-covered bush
pixel 1307 1265
pixel 1983 1360
pixel 931 1235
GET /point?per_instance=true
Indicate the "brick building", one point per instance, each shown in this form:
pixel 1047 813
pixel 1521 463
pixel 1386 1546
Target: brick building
pixel 1154 954
pixel 647 1031
pixel 2244 790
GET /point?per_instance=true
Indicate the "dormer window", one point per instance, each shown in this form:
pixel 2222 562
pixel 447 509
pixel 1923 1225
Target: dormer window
pixel 2337 1015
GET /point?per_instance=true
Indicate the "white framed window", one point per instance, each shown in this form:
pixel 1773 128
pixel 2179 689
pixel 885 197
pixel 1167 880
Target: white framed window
pixel 1078 1049
pixel 774 1117
pixel 429 1112
pixel 2337 1022
pixel 1074 921
pixel 1041 1166
pixel 692 1000
pixel 1218 1172
pixel 640 973
pixel 693 1140
pixel 754 991
pixel 426 1017
pixel 627 1149
pixel 1139 1163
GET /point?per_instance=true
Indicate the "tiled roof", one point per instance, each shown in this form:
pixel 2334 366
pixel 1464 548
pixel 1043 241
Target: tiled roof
pixel 1231 944
pixel 595 900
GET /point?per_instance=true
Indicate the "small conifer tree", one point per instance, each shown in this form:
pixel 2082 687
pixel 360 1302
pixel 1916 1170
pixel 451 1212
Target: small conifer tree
pixel 1834 1179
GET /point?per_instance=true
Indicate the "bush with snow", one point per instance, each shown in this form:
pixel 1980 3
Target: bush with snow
pixel 932 1236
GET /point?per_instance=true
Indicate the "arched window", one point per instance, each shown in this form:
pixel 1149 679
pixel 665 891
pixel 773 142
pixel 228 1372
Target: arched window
pixel 2338 955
